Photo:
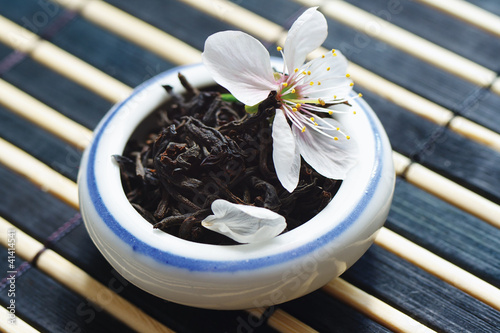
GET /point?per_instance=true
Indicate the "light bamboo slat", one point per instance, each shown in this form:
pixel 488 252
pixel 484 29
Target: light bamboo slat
pixel 283 322
pixel 38 173
pixel 371 25
pixel 473 131
pixel 19 327
pixel 62 62
pixel 454 194
pixel 43 116
pixel 374 308
pixel 468 13
pixel 80 72
pixel 134 30
pixel 80 282
pixel 62 270
pixel 399 95
pixel 16 37
pixel 237 16
pixel 447 190
pixel 496 85
pixel 401 162
pixel 439 267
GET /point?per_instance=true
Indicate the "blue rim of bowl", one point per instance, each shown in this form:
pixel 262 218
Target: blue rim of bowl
pixel 202 265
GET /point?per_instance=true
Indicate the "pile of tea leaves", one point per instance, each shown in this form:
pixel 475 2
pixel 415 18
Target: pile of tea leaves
pixel 205 148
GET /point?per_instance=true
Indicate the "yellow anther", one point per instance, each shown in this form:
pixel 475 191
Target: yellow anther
pixel 351 84
pixel 348 75
pixel 315 124
pixel 312 118
pixel 294 109
pixel 308 72
pixel 285 84
pixel 312 83
pixel 323 56
pixel 333 50
pixel 335 54
pixel 348 137
pixel 319 83
pixel 330 112
pixel 353 112
pixel 297 105
pixel 335 138
pixel 293 91
pixel 322 102
pixel 335 96
pixel 328 68
pixel 338 128
pixel 279 48
pixel 303 129
pixel 296 70
pixel 304 72
pixel 360 95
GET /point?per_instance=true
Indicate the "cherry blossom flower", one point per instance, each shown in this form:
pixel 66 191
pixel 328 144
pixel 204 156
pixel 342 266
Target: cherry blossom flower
pixel 309 94
pixel 241 64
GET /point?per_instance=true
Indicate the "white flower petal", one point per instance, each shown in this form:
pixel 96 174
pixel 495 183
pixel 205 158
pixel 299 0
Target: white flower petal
pixel 339 87
pixel 307 33
pixel 242 223
pixel 337 64
pixel 331 158
pixel 286 158
pixel 241 64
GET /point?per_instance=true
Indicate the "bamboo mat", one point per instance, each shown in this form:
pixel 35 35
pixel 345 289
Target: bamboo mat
pixel 429 69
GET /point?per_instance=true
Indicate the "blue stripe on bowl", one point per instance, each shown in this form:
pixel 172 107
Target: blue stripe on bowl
pixel 174 260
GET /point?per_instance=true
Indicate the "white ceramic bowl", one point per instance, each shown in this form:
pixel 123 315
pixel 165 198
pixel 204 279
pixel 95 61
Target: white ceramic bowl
pixel 239 276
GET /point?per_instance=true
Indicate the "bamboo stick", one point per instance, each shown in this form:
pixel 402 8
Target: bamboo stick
pixel 16 37
pixel 80 72
pixel 475 132
pixel 401 162
pixel 43 116
pixel 373 307
pixel 399 95
pixel 74 278
pixel 38 173
pixel 454 194
pixel 439 267
pixel 134 30
pixel 447 190
pixel 282 321
pixel 62 62
pixel 19 326
pixel 468 13
pixel 239 17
